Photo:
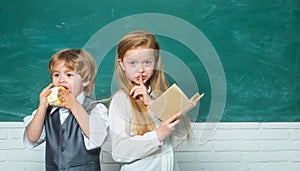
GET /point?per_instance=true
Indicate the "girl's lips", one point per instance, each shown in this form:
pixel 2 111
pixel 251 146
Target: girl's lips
pixel 143 78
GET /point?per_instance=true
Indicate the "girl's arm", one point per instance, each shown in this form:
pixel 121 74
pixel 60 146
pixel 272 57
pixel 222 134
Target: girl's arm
pixel 167 127
pixel 183 128
pixel 126 147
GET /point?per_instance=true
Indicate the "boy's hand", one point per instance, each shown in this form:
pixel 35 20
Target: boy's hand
pixel 67 99
pixel 140 91
pixel 43 96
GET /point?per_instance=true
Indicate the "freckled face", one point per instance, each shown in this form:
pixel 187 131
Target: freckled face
pixel 63 76
pixel 138 62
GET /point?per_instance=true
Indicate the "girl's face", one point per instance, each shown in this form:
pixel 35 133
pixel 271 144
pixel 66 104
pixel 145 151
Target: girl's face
pixel 63 76
pixel 138 62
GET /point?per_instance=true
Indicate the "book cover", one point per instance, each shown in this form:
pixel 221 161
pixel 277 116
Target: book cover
pixel 172 101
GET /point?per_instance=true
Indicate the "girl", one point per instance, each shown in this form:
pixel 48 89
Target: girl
pixel 140 141
pixel 67 128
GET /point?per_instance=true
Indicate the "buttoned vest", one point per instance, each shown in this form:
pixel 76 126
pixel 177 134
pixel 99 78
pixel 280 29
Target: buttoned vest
pixel 65 149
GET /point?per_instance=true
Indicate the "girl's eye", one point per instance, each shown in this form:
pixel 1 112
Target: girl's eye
pixel 131 63
pixel 147 62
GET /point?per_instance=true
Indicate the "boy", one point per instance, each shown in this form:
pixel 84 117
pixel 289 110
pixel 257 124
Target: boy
pixel 66 127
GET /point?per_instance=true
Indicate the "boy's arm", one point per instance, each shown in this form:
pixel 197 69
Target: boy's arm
pixel 35 128
pixel 70 102
pixel 93 126
pixel 84 120
pixel 28 144
pixel 81 116
pixel 98 127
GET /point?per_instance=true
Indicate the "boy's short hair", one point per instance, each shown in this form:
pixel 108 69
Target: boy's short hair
pixel 81 62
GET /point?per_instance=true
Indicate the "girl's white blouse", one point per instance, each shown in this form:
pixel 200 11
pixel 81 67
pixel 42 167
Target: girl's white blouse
pixel 137 152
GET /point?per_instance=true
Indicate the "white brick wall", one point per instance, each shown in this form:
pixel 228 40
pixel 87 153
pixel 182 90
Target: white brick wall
pixel 236 146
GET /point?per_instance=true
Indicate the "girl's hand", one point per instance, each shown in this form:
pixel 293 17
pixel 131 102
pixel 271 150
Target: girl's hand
pixel 43 97
pixel 167 127
pixel 140 91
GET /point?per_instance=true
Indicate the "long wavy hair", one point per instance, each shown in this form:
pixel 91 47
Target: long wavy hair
pixel 142 120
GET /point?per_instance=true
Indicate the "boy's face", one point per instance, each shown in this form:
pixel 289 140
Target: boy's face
pixel 63 76
pixel 138 62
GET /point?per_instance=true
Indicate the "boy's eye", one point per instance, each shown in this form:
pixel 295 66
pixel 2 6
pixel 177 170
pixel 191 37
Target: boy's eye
pixel 70 75
pixel 55 75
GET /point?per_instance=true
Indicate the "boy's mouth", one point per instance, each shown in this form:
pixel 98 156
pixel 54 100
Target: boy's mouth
pixel 64 86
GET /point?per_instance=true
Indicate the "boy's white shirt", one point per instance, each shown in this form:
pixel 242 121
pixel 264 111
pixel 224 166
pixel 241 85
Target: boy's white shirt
pixel 98 125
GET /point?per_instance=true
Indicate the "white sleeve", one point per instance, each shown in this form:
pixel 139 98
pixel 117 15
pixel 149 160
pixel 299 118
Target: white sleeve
pixel 98 127
pixel 181 129
pixel 125 147
pixel 26 142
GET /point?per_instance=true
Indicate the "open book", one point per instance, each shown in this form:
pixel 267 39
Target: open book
pixel 172 101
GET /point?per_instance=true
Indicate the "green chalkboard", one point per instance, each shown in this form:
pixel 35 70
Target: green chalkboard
pixel 255 43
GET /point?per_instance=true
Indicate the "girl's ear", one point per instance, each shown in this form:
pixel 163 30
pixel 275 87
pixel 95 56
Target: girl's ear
pixel 121 64
pixel 85 84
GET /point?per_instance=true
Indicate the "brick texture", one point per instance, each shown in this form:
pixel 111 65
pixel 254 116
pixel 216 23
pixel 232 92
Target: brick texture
pixel 234 146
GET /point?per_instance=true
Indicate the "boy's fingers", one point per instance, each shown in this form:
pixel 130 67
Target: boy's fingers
pixel 47 90
pixel 49 85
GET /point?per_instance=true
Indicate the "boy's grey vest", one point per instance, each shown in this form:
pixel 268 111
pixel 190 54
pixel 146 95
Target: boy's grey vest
pixel 65 149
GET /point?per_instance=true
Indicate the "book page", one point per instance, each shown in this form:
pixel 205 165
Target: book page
pixel 173 101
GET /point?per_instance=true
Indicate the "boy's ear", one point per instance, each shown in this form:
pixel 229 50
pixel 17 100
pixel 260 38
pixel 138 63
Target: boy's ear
pixel 121 64
pixel 85 84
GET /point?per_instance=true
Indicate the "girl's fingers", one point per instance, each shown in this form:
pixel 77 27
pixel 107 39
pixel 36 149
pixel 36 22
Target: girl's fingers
pixel 140 91
pixel 142 85
pixel 173 118
pixel 141 80
pixel 132 90
pixel 173 124
pixel 136 91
